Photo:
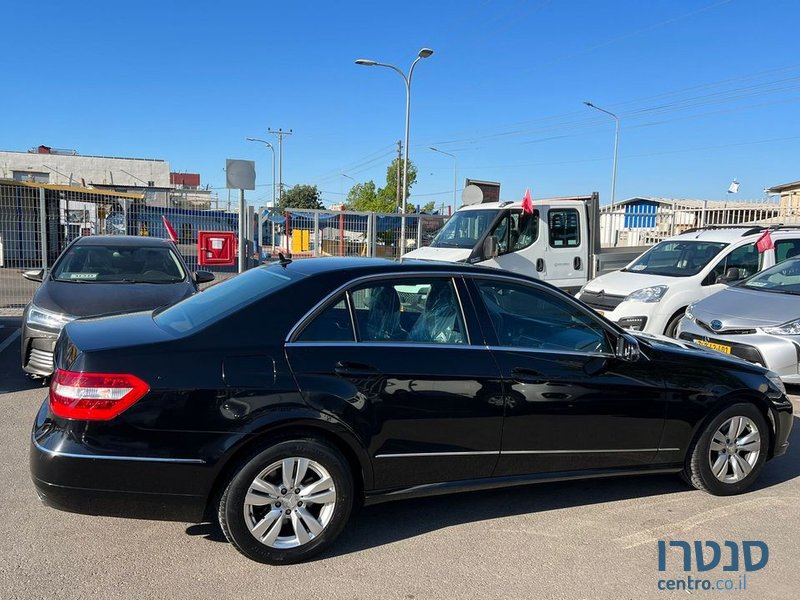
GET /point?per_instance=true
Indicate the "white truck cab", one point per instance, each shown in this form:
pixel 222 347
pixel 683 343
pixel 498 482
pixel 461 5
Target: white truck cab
pixel 652 292
pixel 558 242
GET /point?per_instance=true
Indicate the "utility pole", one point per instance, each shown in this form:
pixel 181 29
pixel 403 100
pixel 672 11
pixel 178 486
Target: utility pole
pixel 399 158
pixel 280 133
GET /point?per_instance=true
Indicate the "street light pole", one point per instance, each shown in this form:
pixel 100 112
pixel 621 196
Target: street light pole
pixel 271 147
pixel 616 146
pixel 424 53
pixel 455 172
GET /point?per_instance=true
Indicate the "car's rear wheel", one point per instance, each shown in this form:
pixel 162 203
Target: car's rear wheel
pixel 288 502
pixel 730 452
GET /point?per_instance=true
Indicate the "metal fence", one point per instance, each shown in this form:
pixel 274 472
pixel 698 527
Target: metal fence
pixel 647 223
pixel 307 233
pixel 37 221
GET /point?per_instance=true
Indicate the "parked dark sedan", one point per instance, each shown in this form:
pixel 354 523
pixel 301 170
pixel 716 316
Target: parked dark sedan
pixel 283 397
pixel 101 275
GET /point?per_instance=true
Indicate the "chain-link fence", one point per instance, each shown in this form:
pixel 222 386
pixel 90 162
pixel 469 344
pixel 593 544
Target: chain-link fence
pixel 307 233
pixel 37 221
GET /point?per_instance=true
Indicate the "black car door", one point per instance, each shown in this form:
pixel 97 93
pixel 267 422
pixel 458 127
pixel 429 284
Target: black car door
pixel 571 403
pixel 404 364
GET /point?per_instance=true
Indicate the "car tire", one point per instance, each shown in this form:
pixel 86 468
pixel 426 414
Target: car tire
pixel 672 326
pixel 265 517
pixel 730 451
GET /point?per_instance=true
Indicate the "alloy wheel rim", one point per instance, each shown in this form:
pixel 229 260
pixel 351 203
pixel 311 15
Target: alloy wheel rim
pixel 734 449
pixel 290 503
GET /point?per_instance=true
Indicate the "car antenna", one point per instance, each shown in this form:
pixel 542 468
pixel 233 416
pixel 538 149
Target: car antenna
pixel 282 260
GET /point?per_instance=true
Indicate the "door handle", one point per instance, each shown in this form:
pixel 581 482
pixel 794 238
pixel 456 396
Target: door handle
pixel 576 263
pixel 523 375
pixel 354 369
pixel 540 264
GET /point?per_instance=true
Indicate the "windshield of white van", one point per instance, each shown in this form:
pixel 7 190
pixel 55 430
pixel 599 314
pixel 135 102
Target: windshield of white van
pixel 464 229
pixel 676 258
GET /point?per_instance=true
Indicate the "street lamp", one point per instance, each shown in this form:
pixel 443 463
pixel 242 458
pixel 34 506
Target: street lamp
pixel 616 145
pixel 271 147
pixel 455 172
pixel 424 53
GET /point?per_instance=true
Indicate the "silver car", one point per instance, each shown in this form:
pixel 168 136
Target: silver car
pixel 757 319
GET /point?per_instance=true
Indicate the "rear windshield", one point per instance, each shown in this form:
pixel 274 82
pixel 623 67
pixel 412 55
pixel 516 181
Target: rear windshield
pixel 119 264
pixel 222 299
pixel 676 259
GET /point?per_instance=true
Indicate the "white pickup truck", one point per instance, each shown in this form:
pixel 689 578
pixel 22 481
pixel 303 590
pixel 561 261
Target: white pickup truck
pixel 652 292
pixel 558 243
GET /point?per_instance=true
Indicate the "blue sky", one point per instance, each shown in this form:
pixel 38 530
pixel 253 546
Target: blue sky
pixel 706 90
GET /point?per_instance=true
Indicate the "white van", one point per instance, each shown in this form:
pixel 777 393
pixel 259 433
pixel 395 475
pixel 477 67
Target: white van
pixel 558 243
pixel 651 293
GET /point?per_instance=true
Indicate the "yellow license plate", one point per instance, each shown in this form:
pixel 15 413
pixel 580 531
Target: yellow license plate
pixel 718 347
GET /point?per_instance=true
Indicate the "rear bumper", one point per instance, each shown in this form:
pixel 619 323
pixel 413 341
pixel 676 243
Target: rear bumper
pixel 72 477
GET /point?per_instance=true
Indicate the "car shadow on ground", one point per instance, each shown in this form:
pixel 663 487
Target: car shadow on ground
pixel 383 524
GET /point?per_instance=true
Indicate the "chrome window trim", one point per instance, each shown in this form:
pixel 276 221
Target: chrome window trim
pixel 550 351
pixel 410 345
pixel 197 461
pixel 346 287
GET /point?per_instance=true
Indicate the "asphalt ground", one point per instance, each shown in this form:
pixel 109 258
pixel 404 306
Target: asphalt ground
pixel 586 539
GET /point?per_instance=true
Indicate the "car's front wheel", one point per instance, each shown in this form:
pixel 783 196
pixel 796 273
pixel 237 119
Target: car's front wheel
pixel 288 502
pixel 730 452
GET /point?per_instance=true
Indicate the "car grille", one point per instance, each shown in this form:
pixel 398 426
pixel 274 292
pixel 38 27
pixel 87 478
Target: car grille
pixel 707 327
pixel 601 300
pixel 41 360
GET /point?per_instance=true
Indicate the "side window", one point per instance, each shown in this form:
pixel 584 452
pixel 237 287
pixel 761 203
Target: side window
pixel 332 325
pixel 526 230
pixel 745 258
pixel 516 231
pixel 786 249
pixel 409 311
pixel 524 317
pixel 564 225
pixel 501 232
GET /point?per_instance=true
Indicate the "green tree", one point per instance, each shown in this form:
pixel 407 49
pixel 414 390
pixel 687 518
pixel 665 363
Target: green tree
pixel 389 193
pixel 364 196
pixel 300 196
pixel 428 208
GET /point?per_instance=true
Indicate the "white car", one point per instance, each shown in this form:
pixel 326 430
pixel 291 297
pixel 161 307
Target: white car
pixel 651 294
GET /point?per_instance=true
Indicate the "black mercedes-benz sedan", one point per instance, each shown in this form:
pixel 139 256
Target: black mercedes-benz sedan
pixel 99 275
pixel 282 398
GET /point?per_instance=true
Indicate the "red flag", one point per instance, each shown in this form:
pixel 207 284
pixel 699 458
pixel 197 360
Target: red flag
pixel 170 229
pixel 527 203
pixel 765 243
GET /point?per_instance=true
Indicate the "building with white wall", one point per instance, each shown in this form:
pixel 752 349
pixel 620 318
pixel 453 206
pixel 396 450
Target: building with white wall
pixel 66 167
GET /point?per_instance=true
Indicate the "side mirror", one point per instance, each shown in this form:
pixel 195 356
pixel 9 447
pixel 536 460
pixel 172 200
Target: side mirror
pixel 203 277
pixel 627 348
pixel 35 275
pixel 491 247
pixel 730 276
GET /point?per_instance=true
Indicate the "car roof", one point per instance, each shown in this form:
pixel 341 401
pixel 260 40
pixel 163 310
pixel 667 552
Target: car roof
pixel 360 266
pixel 122 240
pixel 728 235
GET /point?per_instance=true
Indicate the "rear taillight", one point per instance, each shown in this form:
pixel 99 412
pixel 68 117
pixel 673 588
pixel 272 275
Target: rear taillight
pixel 94 396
